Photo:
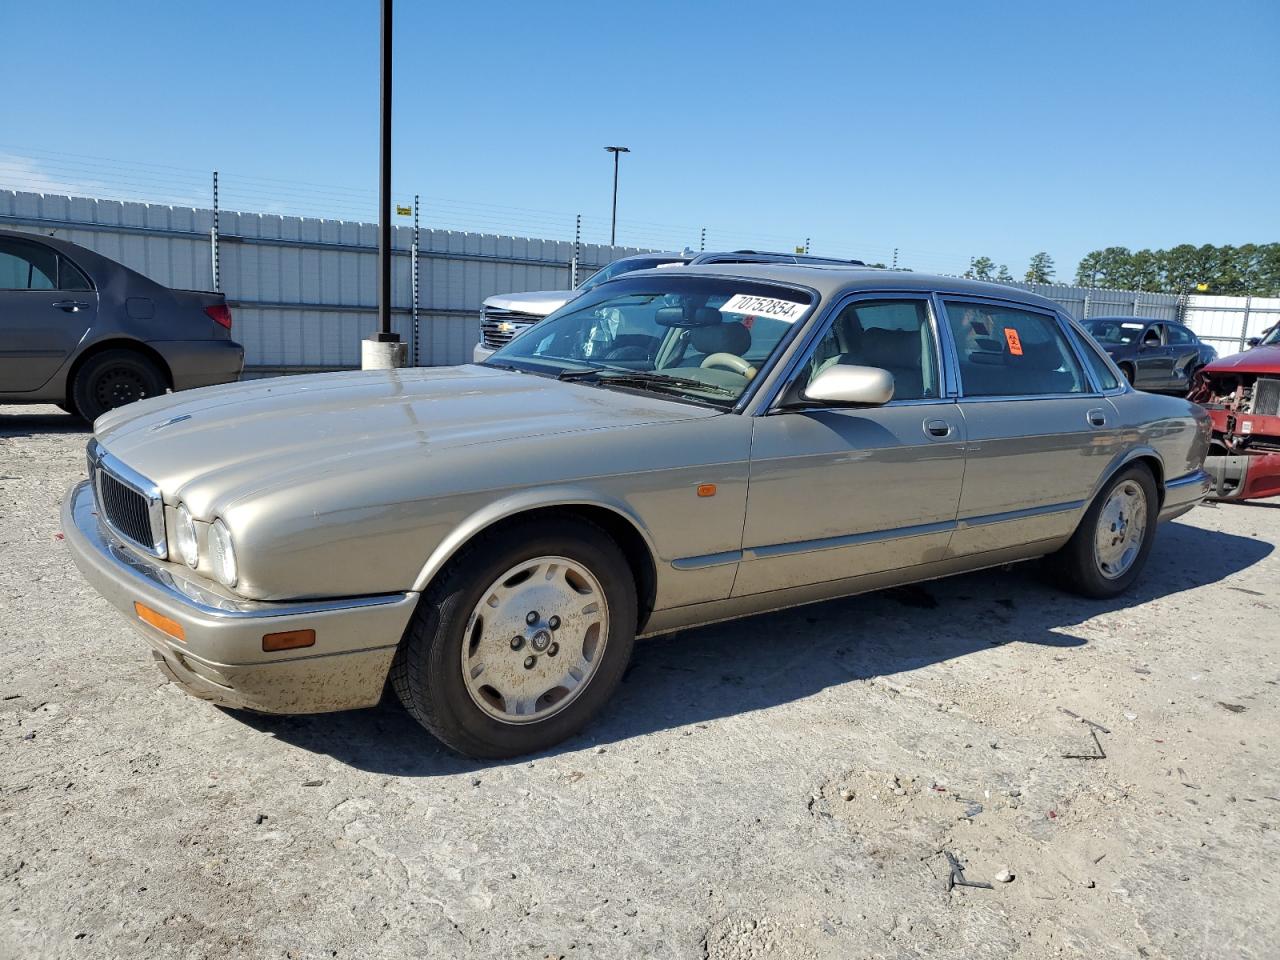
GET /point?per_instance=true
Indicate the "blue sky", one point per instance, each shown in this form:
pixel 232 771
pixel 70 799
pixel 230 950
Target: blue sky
pixel 946 130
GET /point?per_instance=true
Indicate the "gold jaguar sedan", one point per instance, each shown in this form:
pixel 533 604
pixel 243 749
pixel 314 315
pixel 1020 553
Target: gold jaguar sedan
pixel 676 447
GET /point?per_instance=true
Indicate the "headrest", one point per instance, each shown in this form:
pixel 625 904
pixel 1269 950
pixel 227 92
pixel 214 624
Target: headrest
pixel 722 338
pixel 889 348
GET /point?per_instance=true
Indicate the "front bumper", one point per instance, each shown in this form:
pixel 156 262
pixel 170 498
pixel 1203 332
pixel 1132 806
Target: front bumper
pixel 220 657
pixel 1244 476
pixel 1183 493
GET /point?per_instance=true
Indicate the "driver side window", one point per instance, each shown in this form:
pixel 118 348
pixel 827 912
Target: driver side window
pixel 894 335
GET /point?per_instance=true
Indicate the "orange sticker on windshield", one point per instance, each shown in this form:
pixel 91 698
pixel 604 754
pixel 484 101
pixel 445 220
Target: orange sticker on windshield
pixel 1011 338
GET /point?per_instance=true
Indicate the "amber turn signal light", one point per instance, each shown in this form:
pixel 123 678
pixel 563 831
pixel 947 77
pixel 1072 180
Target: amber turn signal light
pixel 706 489
pixel 162 623
pixel 288 640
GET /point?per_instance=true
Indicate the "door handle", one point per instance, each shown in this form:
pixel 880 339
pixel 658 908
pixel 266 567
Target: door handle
pixel 937 428
pixel 70 306
pixel 1097 417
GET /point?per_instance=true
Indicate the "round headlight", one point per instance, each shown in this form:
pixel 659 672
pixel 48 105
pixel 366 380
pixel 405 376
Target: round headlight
pixel 222 555
pixel 186 537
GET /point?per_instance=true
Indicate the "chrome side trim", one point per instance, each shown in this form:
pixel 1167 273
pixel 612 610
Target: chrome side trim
pixel 707 560
pixel 849 540
pixel 188 593
pixel 1023 514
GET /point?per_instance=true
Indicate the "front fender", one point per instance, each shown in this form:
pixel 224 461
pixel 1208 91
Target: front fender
pixel 524 501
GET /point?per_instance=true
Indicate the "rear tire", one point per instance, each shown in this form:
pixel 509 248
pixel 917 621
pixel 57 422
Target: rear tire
pixel 1127 370
pixel 1107 552
pixel 113 378
pixel 463 668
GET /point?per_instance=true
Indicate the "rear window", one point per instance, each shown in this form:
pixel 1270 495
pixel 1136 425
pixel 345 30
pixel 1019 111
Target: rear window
pixel 1005 352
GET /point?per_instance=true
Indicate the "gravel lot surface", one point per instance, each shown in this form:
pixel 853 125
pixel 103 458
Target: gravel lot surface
pixel 786 786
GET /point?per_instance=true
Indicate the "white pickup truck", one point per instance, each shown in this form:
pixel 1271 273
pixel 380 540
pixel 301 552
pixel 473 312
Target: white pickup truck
pixel 505 316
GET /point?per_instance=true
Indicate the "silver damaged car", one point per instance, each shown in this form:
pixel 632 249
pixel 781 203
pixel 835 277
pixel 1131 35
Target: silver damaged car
pixel 676 447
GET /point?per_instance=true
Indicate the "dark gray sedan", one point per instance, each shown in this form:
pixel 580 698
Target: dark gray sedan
pixel 89 334
pixel 1160 356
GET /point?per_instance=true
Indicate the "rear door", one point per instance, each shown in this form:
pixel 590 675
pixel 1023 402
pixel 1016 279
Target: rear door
pixel 1154 363
pixel 46 306
pixel 1184 352
pixel 1040 432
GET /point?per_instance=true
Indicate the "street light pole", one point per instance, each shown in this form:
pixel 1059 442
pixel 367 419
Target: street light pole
pixel 383 349
pixel 613 228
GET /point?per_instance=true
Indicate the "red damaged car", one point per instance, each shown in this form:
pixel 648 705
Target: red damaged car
pixel 1242 395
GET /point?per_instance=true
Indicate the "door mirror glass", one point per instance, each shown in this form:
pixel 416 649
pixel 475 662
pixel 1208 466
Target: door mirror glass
pixel 842 384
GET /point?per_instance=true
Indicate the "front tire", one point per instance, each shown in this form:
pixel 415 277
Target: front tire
pixel 113 378
pixel 1107 552
pixel 521 640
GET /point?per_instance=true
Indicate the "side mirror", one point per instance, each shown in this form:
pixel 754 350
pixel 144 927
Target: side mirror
pixel 840 385
pixel 1254 341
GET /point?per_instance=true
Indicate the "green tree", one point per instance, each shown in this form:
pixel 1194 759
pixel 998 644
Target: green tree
pixel 980 268
pixel 1040 270
pixel 1003 274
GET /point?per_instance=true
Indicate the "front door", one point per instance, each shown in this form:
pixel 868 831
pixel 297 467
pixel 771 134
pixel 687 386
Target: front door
pixel 1039 434
pixel 841 492
pixel 41 319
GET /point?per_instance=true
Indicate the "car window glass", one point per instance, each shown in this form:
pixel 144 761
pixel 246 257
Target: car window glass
pixel 1005 352
pixel 707 337
pixel 1179 335
pixel 894 335
pixel 27 266
pixel 70 277
pixel 1098 366
pixel 1152 337
pixel 1114 332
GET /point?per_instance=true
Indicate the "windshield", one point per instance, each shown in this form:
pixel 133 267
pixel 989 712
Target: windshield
pixel 1123 332
pixel 699 338
pixel 625 265
pixel 1271 338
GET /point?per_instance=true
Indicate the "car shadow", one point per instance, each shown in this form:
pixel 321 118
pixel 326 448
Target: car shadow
pixel 50 420
pixel 700 675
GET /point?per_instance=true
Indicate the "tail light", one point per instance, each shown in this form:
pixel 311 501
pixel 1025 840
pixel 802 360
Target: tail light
pixel 220 314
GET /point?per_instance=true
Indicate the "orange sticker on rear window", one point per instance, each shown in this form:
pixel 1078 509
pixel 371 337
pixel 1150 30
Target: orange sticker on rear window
pixel 1011 338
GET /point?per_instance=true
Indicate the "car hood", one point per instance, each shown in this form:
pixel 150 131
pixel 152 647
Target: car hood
pixel 539 303
pixel 263 432
pixel 1257 360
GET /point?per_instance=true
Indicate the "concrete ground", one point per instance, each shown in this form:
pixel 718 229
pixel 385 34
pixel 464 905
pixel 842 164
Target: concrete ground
pixel 786 786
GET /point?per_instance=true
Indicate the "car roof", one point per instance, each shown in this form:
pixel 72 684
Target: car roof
pixel 1131 319
pixel 831 280
pixel 704 256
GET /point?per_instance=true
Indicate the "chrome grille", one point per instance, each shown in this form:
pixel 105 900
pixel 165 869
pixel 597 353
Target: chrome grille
pixel 499 327
pixel 127 502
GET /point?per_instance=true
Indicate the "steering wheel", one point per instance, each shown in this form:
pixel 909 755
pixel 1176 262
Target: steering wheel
pixel 729 361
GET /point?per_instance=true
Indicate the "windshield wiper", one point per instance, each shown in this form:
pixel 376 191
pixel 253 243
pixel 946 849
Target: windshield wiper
pixel 644 379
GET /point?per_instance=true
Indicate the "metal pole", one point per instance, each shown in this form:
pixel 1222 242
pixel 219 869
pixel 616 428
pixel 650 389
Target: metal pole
pixel 1244 327
pixel 384 186
pixel 613 228
pixel 895 258
pixel 702 244
pixel 417 333
pixel 577 253
pixel 806 244
pixel 213 239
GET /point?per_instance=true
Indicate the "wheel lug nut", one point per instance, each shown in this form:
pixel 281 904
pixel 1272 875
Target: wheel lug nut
pixel 517 643
pixel 531 617
pixel 554 623
pixel 530 662
pixel 553 650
